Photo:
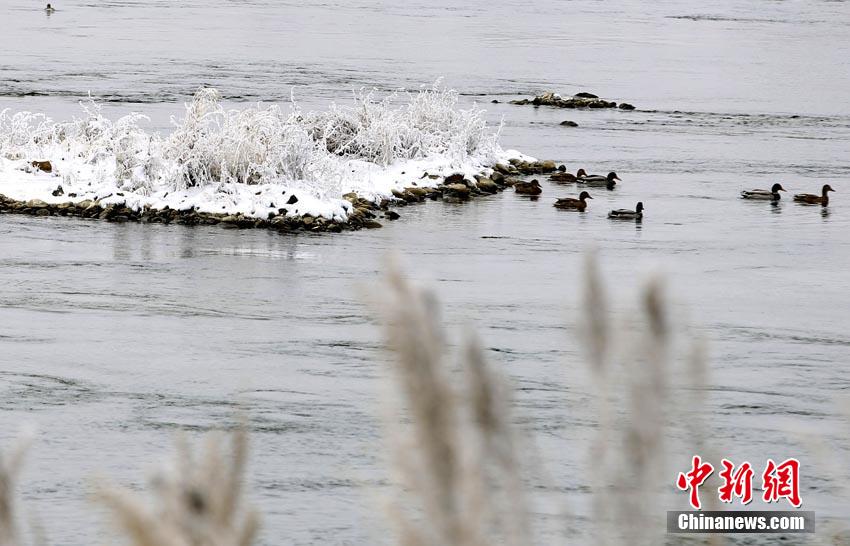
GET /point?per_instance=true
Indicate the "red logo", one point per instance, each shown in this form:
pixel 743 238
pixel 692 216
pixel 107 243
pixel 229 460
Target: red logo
pixel 692 480
pixel 782 481
pixel 779 481
pixel 738 483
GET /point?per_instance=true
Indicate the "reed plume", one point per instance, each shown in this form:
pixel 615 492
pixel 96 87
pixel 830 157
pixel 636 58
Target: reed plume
pixel 197 503
pixel 456 463
pixel 11 462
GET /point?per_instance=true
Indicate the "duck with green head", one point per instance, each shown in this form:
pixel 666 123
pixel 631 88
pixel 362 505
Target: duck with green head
pixel 764 195
pixel 627 214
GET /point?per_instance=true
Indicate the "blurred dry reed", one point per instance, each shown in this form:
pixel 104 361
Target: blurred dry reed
pixel 197 503
pixel 456 463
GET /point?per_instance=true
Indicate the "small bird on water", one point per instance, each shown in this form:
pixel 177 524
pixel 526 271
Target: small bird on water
pixel 599 180
pixel 571 203
pixel 810 199
pixel 773 194
pixel 528 188
pixel 626 214
pixel 567 177
pixel 49 9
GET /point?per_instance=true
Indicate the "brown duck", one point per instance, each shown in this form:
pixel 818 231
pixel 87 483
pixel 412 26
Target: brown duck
pixel 567 177
pixel 811 199
pixel 571 203
pixel 528 188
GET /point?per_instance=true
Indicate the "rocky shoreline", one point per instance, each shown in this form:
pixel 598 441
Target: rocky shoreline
pixel 579 100
pixel 364 214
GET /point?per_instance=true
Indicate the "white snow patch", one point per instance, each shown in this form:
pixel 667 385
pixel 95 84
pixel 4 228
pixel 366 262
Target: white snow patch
pixel 252 161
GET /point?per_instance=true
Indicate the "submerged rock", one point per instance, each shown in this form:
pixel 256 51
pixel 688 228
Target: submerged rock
pixel 580 100
pixel 568 123
pixel 626 106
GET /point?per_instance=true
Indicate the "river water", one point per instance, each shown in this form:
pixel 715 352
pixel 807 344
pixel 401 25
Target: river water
pixel 114 336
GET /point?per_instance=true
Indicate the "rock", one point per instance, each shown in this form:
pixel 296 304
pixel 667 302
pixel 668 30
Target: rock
pixel 456 190
pixel 42 212
pixel 568 123
pixel 292 200
pixel 350 197
pixel 547 166
pixel 581 100
pixel 494 101
pixel 420 193
pixel 36 204
pixel 456 178
pixel 230 219
pixel 307 220
pixel 502 168
pixel 626 106
pixel 391 215
pixel 497 177
pixel 45 166
pixel 487 185
pixel 58 191
pixel 371 224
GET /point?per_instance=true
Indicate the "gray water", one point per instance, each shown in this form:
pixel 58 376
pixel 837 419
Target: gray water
pixel 114 336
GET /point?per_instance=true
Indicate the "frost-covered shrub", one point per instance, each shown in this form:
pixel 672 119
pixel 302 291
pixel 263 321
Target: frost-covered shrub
pixel 214 146
pixel 431 123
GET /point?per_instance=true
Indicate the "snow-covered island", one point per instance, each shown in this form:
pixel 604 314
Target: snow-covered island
pixel 259 166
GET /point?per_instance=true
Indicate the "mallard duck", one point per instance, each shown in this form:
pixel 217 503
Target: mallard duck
pixel 599 180
pixel 773 194
pixel 810 199
pixel 626 214
pixel 571 203
pixel 567 177
pixel 528 188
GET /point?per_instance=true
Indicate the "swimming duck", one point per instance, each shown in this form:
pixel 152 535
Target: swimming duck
pixel 571 203
pixel 810 199
pixel 528 188
pixel 626 214
pixel 773 194
pixel 567 177
pixel 599 180
pixel 49 9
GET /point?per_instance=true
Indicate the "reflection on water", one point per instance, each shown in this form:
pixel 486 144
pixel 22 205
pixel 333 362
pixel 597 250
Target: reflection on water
pixel 116 334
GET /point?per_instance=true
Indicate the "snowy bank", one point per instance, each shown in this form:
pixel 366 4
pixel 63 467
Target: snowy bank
pixel 256 163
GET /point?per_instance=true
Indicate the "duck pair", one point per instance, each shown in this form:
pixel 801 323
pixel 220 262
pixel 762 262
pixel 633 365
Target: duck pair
pixel 581 177
pixel 580 204
pixel 805 198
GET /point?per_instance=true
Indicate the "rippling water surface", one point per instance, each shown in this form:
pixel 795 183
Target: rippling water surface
pixel 114 336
